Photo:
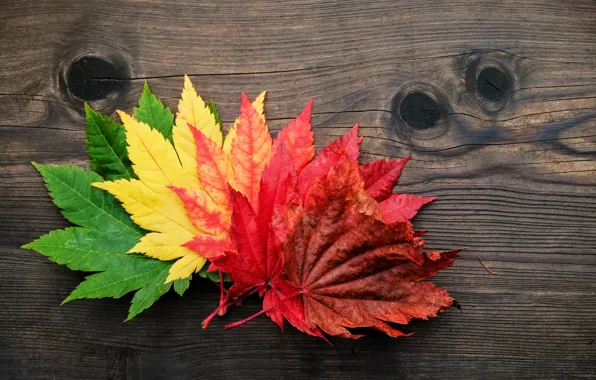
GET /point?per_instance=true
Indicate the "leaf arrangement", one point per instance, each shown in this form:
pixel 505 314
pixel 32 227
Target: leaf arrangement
pixel 322 239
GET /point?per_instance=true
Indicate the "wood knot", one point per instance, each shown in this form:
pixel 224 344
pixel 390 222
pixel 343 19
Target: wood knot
pixel 99 80
pixel 490 79
pixel 92 78
pixel 420 109
pixel 492 84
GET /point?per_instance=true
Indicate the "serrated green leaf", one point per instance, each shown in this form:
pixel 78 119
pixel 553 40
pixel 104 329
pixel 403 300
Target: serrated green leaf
pixel 120 280
pixel 88 250
pixel 181 286
pixel 101 251
pixel 106 145
pixel 101 243
pixel 214 112
pixel 82 204
pixel 152 112
pixel 149 293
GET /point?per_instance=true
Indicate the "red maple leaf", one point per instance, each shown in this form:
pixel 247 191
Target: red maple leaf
pixel 256 262
pixel 380 176
pixel 352 269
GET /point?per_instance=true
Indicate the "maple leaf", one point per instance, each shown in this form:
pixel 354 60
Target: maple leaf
pixel 348 145
pixel 350 268
pixel 250 151
pixel 402 207
pixel 209 208
pixel 99 244
pixel 298 139
pixel 380 176
pixel 259 105
pixel 252 257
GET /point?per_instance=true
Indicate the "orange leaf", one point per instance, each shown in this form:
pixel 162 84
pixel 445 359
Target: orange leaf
pixel 251 151
pixel 212 168
pixel 205 215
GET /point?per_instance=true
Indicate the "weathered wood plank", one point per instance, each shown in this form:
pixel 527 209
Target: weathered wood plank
pixel 515 177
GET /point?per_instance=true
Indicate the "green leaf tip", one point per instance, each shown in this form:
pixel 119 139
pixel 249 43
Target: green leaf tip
pixel 152 112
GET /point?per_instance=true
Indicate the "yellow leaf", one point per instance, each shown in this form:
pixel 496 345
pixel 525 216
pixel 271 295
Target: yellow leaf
pixel 163 246
pixel 154 159
pixel 150 201
pixel 192 109
pixel 186 266
pixel 150 210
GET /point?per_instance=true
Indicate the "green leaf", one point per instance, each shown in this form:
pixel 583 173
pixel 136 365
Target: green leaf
pixel 101 251
pixel 88 250
pixel 147 274
pixel 152 111
pixel 83 204
pixel 106 145
pixel 101 243
pixel 214 112
pixel 213 276
pixel 149 293
pixel 181 286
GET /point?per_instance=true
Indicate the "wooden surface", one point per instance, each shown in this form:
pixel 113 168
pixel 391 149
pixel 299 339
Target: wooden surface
pixel 515 179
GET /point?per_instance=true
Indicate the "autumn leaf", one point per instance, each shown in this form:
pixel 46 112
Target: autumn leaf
pixel 348 145
pixel 193 112
pixel 256 265
pixel 402 207
pixel 210 208
pixel 298 139
pixel 329 239
pixel 259 105
pixel 250 151
pixel 380 176
pixel 352 269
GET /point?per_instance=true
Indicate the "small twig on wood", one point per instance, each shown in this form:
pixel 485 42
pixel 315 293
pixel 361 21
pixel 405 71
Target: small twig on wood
pixel 485 267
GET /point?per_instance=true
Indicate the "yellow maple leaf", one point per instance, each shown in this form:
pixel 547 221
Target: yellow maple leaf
pixel 149 201
pixel 193 110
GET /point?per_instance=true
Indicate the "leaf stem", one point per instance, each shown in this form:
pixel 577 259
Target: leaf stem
pixel 221 293
pixel 230 302
pixel 239 323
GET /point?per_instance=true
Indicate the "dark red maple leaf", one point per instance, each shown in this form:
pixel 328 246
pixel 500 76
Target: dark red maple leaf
pixel 350 268
pixel 380 176
pixel 347 145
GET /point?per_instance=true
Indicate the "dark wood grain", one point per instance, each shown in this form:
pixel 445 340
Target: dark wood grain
pixel 515 181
